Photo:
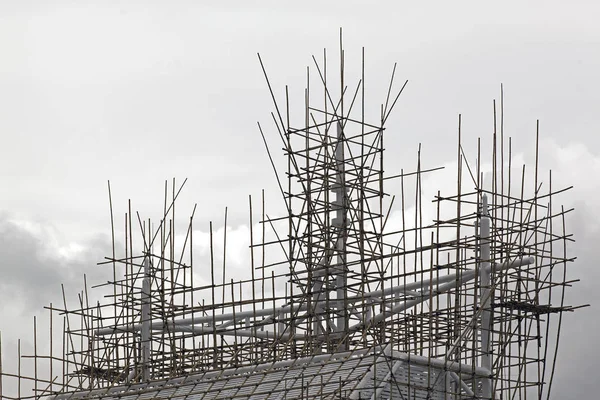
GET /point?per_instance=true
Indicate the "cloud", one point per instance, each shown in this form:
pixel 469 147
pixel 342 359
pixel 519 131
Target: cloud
pixel 35 261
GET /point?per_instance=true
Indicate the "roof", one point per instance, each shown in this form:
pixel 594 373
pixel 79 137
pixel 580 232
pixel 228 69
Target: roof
pixel 356 374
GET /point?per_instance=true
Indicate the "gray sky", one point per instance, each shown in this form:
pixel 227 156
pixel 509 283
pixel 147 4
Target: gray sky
pixel 138 92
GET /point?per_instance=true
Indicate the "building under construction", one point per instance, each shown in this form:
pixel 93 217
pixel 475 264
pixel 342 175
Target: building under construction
pixel 336 304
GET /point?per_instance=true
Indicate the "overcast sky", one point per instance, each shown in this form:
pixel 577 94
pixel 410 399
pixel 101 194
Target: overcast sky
pixel 138 92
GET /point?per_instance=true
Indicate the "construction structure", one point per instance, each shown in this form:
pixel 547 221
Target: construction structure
pixel 337 304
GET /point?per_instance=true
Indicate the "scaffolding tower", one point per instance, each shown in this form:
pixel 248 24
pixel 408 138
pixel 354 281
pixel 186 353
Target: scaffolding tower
pixel 336 304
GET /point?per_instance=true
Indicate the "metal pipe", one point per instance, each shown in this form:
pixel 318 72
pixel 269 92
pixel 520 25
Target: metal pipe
pixel 466 277
pixel 340 222
pixel 485 300
pixel 272 313
pixel 462 383
pixel 146 299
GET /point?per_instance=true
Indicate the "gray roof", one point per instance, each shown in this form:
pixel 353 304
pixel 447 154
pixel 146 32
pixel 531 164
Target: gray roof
pixel 357 374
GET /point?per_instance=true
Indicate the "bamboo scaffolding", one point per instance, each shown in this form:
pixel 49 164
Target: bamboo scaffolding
pixel 468 304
